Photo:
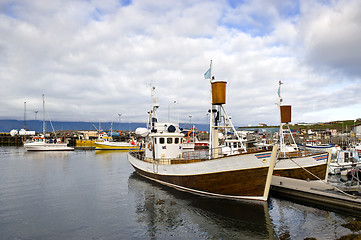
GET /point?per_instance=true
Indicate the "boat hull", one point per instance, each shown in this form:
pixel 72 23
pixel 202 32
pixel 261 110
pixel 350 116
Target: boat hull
pixel 233 177
pixel 47 147
pixel 115 146
pixel 300 167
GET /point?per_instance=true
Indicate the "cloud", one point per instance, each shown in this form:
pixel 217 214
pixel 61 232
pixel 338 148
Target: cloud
pixel 95 59
pixel 332 36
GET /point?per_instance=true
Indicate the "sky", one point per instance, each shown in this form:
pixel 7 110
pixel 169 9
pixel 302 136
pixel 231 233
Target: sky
pixel 96 59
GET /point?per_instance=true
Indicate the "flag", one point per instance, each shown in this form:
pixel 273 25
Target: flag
pixel 207 75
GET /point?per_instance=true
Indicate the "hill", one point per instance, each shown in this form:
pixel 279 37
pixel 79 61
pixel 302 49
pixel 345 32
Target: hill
pixel 37 125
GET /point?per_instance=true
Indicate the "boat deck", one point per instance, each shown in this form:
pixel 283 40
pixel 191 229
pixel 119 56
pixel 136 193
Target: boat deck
pixel 316 193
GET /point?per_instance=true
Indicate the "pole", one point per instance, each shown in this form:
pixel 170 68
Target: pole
pixel 211 118
pixel 119 114
pixel 43 115
pixel 24 115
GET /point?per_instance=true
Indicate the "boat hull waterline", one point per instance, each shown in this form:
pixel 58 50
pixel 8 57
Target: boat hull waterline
pixel 47 147
pixel 243 176
pixel 119 147
pixel 302 167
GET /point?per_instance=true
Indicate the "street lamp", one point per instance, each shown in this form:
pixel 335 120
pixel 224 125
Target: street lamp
pixel 119 114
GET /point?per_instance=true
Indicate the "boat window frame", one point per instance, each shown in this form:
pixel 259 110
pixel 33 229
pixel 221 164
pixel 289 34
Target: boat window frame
pixel 176 140
pixel 169 140
pixel 161 140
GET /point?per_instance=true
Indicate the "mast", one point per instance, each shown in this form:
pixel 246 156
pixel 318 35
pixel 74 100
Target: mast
pixel 282 140
pixel 285 118
pixel 211 129
pixel 218 94
pixel 43 115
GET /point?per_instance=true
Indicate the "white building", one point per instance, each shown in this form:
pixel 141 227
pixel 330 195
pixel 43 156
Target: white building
pixel 357 129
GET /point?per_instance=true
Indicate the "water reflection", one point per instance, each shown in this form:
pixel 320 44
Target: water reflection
pixel 295 221
pixel 162 209
pixel 84 195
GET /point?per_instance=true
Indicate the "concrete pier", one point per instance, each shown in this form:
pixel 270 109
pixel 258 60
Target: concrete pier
pixel 315 193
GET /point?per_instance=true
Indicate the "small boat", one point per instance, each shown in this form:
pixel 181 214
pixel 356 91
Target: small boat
pixel 317 145
pixel 263 144
pixel 188 139
pixel 40 143
pixel 344 162
pixel 356 147
pixel 123 146
pixel 245 175
pixel 201 144
pixel 293 162
pixel 106 142
pixel 191 141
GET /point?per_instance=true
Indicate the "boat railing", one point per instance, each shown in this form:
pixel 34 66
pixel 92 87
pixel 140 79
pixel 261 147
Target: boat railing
pixel 192 156
pixel 196 154
pixel 301 153
pixel 137 154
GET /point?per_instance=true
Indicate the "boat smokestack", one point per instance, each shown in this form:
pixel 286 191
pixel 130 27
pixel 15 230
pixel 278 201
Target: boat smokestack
pixel 219 92
pixel 285 113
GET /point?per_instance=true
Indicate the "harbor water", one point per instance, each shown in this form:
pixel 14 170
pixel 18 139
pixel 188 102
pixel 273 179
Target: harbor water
pixel 91 195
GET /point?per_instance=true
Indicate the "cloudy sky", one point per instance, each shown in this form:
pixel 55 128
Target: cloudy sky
pixel 94 59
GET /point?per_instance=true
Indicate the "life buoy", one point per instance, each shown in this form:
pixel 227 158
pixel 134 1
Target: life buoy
pixel 150 146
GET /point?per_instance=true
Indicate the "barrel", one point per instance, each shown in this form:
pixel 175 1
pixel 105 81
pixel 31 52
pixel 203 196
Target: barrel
pixel 219 92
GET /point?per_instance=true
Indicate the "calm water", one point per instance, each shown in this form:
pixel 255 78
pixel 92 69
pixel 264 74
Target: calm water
pixel 85 195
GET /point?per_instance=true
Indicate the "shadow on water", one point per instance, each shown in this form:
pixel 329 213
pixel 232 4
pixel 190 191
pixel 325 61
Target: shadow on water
pixel 161 209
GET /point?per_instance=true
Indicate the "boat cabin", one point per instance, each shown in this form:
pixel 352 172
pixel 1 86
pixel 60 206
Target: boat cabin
pixel 164 142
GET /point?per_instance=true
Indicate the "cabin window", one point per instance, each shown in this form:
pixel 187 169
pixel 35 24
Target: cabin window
pixel 169 140
pixel 155 140
pixel 161 140
pixel 176 140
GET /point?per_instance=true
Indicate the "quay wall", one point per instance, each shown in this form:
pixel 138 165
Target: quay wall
pixel 7 140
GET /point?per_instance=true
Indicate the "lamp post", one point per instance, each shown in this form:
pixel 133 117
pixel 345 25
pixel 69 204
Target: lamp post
pixel 119 114
pixel 24 115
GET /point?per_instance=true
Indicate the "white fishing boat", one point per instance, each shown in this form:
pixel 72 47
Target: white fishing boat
pixel 293 162
pixel 245 175
pixel 40 143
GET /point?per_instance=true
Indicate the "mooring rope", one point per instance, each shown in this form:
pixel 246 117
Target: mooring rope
pixel 334 187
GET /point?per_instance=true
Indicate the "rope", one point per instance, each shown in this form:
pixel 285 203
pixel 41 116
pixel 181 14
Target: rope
pixel 334 187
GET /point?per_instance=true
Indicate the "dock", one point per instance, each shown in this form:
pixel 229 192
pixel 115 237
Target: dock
pixel 315 193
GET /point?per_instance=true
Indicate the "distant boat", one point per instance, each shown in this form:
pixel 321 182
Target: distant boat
pixel 191 141
pixel 356 147
pixel 263 144
pixel 245 175
pixel 107 143
pixel 317 145
pixel 345 161
pixel 40 143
